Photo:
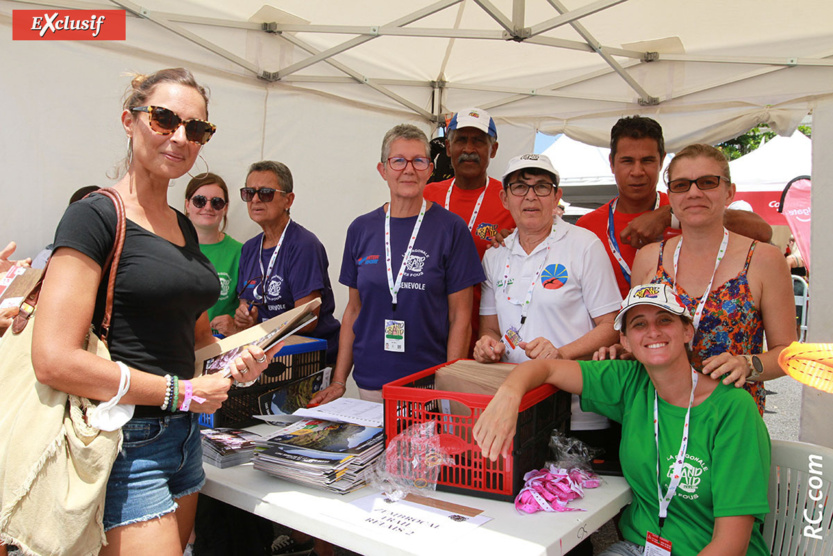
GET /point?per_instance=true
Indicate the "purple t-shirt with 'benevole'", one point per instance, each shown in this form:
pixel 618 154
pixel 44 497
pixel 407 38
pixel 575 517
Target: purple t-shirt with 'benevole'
pixel 443 261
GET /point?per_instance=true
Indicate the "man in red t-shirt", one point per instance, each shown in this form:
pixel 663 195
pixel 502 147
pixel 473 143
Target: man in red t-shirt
pixel 471 194
pixel 640 214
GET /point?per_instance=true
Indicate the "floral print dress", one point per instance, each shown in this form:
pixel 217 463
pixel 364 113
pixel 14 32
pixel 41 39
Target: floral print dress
pixel 731 322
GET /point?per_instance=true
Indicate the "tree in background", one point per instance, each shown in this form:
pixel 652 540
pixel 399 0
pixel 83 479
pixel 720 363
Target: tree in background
pixel 751 140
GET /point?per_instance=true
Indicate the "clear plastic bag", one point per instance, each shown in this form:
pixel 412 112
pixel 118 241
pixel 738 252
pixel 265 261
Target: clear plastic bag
pixel 571 453
pixel 411 464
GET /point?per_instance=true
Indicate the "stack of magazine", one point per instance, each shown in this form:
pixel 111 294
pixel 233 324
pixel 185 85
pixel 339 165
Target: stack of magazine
pixel 323 454
pixel 227 447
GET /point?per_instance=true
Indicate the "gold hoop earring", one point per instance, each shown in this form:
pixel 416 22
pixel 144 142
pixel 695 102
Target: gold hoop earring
pixel 207 169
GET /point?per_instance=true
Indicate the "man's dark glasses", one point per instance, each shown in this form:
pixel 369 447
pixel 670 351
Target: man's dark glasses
pixel 266 194
pixel 165 122
pixel 704 183
pixel 199 201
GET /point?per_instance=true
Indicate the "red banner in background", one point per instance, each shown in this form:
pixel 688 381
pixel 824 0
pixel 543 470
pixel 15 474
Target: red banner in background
pixel 68 25
pixel 795 201
pixel 765 204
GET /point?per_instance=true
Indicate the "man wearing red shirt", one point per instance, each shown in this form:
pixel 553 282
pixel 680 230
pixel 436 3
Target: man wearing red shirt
pixel 471 194
pixel 640 214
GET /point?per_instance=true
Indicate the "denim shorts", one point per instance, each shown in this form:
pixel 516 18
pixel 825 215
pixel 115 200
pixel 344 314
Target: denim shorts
pixel 160 461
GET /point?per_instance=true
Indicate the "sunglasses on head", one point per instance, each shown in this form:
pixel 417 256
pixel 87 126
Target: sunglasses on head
pixel 266 194
pixel 199 201
pixel 165 122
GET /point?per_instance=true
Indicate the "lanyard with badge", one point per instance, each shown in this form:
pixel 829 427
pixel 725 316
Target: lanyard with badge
pixel 613 241
pixel 265 274
pixel 702 303
pixel 395 329
pixel 512 336
pixel 476 210
pixel 655 545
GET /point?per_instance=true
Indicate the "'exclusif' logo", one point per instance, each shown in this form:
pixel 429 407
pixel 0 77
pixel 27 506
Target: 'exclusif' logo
pixel 68 25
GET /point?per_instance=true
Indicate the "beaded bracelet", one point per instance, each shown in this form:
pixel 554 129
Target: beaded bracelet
pixel 167 401
pixel 174 406
pixel 339 382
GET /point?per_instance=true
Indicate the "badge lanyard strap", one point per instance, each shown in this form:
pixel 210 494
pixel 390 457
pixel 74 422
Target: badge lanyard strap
pixel 676 475
pixel 613 242
pixel 268 271
pixel 720 253
pixel 476 210
pixel 394 287
pixel 528 298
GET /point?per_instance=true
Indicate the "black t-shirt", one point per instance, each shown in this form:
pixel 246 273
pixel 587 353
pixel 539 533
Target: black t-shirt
pixel 161 288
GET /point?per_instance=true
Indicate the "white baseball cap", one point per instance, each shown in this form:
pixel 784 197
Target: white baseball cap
pixel 658 295
pixel 476 118
pixel 524 161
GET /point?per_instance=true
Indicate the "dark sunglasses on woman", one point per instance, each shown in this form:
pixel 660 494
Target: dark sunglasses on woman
pixel 163 121
pixel 199 201
pixel 266 194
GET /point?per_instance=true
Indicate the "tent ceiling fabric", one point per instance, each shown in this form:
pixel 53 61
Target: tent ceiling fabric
pixel 708 70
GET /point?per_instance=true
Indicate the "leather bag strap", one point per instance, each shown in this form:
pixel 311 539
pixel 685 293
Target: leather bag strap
pixel 27 308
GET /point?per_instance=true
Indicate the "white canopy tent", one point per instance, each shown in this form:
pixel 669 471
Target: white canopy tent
pixel 762 175
pixel 316 83
pixel 584 170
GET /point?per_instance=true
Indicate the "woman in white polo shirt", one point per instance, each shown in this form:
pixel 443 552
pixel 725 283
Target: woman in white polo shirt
pixel 550 292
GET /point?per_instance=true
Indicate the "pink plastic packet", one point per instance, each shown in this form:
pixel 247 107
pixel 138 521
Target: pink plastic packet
pixel 550 490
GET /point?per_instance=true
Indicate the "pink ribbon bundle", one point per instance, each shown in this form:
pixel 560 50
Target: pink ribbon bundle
pixel 550 490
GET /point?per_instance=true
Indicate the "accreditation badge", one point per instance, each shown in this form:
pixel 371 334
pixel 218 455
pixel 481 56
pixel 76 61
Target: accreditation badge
pixel 656 546
pixel 512 337
pixel 395 335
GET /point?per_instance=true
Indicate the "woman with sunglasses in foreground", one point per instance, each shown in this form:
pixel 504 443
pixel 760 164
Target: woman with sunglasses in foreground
pixel 164 286
pixel 410 266
pixel 694 451
pixel 286 265
pixel 206 205
pixel 736 288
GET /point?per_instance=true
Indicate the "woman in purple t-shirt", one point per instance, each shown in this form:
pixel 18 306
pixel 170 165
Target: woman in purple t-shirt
pixel 410 266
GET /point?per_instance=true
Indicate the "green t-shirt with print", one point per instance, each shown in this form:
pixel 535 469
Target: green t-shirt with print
pixel 726 468
pixel 225 256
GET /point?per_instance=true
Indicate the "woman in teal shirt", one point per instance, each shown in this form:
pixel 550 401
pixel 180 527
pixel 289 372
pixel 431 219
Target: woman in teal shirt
pixel 206 205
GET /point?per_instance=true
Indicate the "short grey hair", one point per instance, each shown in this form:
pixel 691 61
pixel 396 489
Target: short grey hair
pixel 280 170
pixel 404 131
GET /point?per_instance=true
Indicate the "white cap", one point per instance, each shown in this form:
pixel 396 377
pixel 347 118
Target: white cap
pixel 524 161
pixel 476 118
pixel 658 295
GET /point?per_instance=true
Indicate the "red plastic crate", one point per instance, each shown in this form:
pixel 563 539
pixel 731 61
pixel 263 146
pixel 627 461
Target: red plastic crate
pixel 414 399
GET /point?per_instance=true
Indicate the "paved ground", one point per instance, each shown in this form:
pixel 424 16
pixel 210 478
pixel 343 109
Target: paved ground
pixel 783 408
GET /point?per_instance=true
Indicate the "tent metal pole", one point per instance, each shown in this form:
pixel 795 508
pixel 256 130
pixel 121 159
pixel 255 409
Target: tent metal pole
pixel 572 15
pixel 645 98
pixel 184 33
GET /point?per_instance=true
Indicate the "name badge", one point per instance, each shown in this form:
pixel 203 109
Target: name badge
pixel 395 335
pixel 657 546
pixel 512 337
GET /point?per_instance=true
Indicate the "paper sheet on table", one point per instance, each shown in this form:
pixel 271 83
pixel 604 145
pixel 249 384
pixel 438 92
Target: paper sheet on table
pixel 423 527
pixel 347 410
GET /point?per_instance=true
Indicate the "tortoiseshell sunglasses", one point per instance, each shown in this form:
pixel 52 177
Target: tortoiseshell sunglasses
pixel 163 121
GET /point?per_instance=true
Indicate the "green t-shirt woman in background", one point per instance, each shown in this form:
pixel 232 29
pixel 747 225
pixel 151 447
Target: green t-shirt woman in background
pixel 206 205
